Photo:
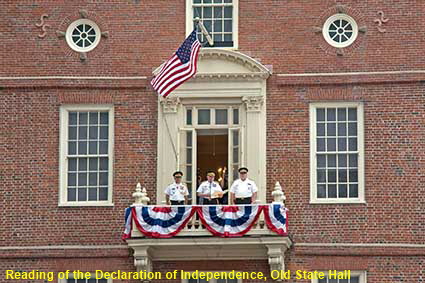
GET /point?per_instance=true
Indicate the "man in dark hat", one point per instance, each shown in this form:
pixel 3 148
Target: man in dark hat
pixel 209 191
pixel 243 190
pixel 176 193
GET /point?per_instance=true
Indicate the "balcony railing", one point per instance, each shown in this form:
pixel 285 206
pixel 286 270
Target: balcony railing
pixel 194 226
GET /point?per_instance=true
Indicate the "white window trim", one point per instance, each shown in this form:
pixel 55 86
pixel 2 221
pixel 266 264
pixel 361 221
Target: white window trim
pixel 360 273
pixel 71 28
pixel 71 276
pixel 212 280
pixel 330 20
pixel 63 149
pixel 360 144
pixel 189 23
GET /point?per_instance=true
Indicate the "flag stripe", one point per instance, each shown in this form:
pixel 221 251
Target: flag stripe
pixel 179 68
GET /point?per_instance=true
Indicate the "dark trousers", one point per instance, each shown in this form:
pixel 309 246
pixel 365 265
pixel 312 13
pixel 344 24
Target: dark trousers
pixel 243 200
pixel 213 201
pixel 177 202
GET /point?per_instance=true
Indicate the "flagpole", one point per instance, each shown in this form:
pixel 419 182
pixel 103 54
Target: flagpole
pixel 204 31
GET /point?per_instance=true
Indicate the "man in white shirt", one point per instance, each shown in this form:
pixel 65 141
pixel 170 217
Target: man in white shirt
pixel 209 191
pixel 176 193
pixel 243 190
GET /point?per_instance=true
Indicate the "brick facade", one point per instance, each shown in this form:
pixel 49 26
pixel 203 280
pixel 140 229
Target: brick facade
pixel 280 34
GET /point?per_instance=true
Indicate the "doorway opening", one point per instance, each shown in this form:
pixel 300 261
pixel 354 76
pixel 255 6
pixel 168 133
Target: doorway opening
pixel 213 154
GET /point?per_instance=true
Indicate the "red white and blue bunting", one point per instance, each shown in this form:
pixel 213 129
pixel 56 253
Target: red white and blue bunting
pixel 221 221
pixel 275 216
pixel 229 221
pixel 161 222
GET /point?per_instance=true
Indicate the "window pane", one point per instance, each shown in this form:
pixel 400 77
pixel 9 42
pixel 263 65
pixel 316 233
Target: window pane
pixel 103 178
pixel 72 164
pixel 72 148
pixel 342 190
pixel 82 164
pixel 330 114
pixel 331 144
pixel 320 144
pixel 92 179
pixel 353 176
pixel 82 194
pixel 94 118
pixel 331 191
pixel 92 147
pixel 104 132
pixel 72 133
pixel 189 117
pixel 235 155
pixel 189 173
pixel 72 118
pixel 189 156
pixel 82 118
pixel 228 12
pixel 204 117
pixel 342 129
pixel 321 191
pixel 353 160
pixel 92 194
pixel 218 12
pixel 93 132
pixel 103 164
pixel 320 129
pixel 321 176
pixel 72 179
pixel 104 117
pixel 189 139
pixel 103 147
pixel 342 114
pixel 82 147
pixel 228 25
pixel 352 114
pixel 103 193
pixel 221 116
pixel 235 138
pixel 82 179
pixel 235 116
pixel 342 144
pixel 331 129
pixel 72 194
pixel 320 114
pixel 332 160
pixel 352 144
pixel 82 133
pixel 342 175
pixel 352 129
pixel 207 12
pixel 321 161
pixel 354 279
pixel 342 160
pixel 331 176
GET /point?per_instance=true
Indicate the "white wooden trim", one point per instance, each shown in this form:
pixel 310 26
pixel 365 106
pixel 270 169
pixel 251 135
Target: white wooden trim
pixel 360 145
pixel 63 149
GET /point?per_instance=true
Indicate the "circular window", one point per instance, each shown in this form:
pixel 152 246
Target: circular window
pixel 83 35
pixel 340 30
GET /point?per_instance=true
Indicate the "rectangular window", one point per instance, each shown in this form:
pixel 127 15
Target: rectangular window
pixel 86 141
pixel 336 146
pixel 355 277
pixel 219 18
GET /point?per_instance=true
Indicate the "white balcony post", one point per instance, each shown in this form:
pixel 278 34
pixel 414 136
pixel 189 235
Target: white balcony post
pixel 141 196
pixel 278 194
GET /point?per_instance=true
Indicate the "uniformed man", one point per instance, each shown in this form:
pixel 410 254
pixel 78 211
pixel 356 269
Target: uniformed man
pixel 209 191
pixel 243 190
pixel 176 193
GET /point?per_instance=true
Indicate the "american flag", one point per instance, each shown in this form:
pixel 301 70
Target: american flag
pixel 179 68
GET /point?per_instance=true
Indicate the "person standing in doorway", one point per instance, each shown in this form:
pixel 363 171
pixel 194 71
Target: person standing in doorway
pixel 243 190
pixel 209 191
pixel 176 193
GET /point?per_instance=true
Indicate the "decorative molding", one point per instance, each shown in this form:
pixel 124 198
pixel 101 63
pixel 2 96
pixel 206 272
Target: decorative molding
pixel 143 259
pixel 43 26
pixel 170 105
pixel 253 103
pixel 276 254
pixel 380 21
